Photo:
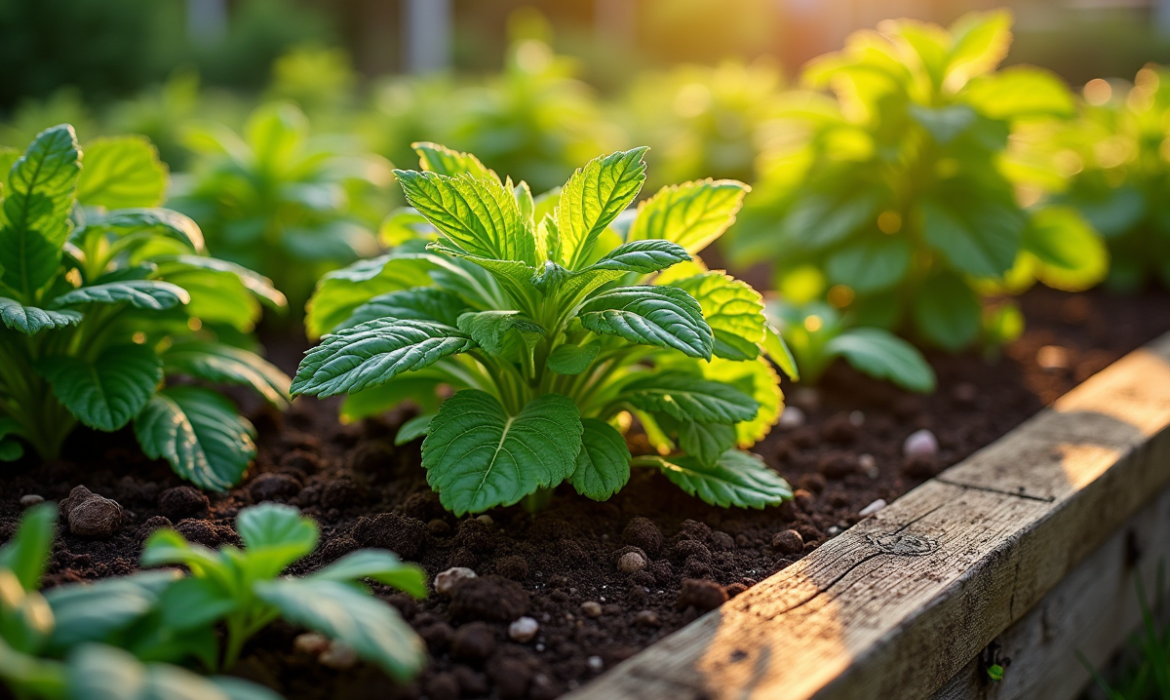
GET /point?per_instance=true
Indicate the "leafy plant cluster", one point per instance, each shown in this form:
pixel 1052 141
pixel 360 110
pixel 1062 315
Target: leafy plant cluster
pixel 109 308
pixel 555 318
pixel 118 638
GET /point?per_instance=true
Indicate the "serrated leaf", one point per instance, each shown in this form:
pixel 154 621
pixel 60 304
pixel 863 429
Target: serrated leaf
pixel 373 353
pixel 413 429
pixel 371 627
pixel 478 457
pixel 200 433
pixel 758 380
pixel 141 294
pixel 422 304
pixel 30 320
pixel 121 172
pixel 490 329
pixel 514 276
pixel 572 359
pixel 439 159
pixel 737 479
pixel 479 216
pixel 340 292
pixel 733 310
pixel 883 355
pixel 34 216
pixel 379 565
pixel 27 552
pixel 663 316
pixel 643 257
pixel 215 362
pixel 692 214
pixel 688 398
pixel 592 199
pixel 107 393
pixel 603 464
pixel 705 442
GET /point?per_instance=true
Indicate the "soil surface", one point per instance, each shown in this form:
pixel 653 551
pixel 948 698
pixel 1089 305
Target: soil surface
pixel 569 567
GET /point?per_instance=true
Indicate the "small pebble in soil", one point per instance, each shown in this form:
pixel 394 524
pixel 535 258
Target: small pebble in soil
pixel 704 595
pixel 591 608
pixel 1052 357
pixel 339 657
pixel 920 444
pixel 788 542
pixel 647 618
pixel 857 418
pixel 31 499
pixel 446 580
pixel 595 664
pixel 806 398
pixel 872 508
pixel 523 630
pixel 792 417
pixel 91 515
pixel 632 562
pixel 833 531
pixel 868 465
pixel 485 519
pixel 311 643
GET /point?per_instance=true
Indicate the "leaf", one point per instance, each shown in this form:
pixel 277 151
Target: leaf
pixel 93 612
pixel 758 380
pixel 379 565
pixel 947 312
pixel 733 310
pixel 30 320
pixel 11 449
pixel 870 265
pixel 34 217
pixel 219 363
pixel 981 41
pixel 27 553
pixel 414 387
pixel 164 222
pixel 141 294
pixel 165 546
pixel 705 442
pixel 592 199
pixel 663 316
pixel 106 393
pixel 413 429
pixel 688 398
pixel 490 329
pixel 340 292
pixel 373 353
pixel 259 285
pixel 944 124
pixel 422 304
pixel 372 628
pixel 737 479
pixel 1020 92
pixel 818 221
pixel 980 239
pixel 692 214
pixel 445 161
pixel 274 536
pixel 479 216
pixel 643 257
pixel 1071 255
pixel 478 457
pixel 512 275
pixel 121 172
pixel 603 464
pixel 200 433
pixel 97 672
pixel 572 359
pixel 883 355
pixel 779 353
pixel 402 225
pixel 195 602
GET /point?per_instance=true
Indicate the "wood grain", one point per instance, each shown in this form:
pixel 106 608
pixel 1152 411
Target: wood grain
pixel 901 602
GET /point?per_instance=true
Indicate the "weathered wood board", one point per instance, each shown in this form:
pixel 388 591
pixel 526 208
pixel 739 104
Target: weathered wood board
pixel 901 602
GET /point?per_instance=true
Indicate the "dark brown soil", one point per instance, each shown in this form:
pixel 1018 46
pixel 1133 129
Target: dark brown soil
pixel 560 567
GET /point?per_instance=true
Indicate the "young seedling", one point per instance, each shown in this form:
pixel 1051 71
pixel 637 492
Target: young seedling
pixel 103 298
pixel 243 589
pixel 77 623
pixel 894 203
pixel 555 318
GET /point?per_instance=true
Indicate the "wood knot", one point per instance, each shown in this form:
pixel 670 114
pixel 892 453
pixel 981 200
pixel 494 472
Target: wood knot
pixel 904 545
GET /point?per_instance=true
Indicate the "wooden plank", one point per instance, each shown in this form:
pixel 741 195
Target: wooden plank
pixel 1092 611
pixel 899 603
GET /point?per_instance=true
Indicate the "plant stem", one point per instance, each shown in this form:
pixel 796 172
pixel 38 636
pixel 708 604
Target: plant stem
pixel 538 500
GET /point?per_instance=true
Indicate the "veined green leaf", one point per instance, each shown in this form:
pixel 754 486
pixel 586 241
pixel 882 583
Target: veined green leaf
pixel 342 291
pixel 34 217
pixel 513 276
pixel 733 310
pixel 871 264
pixel 947 312
pixel 479 216
pixel 705 442
pixel 592 199
pixel 664 316
pixel 688 398
pixel 445 161
pixel 275 536
pixel 478 457
pixel 200 433
pixel 982 241
pixel 122 172
pixel 757 379
pixel 373 353
pixel 215 362
pixel 818 221
pixel 165 222
pixel 737 479
pixel 642 256
pixel 692 214
pixel 424 304
pixel 142 294
pixel 30 320
pixel 603 464
pixel 883 355
pixel 379 565
pixel 109 392
pixel 259 285
pixel 572 359
pixel 413 429
pixel 490 329
pixel 1072 256
pixel 779 353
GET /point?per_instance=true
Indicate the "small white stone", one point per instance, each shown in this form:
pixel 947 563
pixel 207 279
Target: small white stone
pixel 540 647
pixel 446 580
pixel 833 531
pixel 920 443
pixel 868 465
pixel 857 419
pixel 31 500
pixel 485 519
pixel 791 418
pixel 631 562
pixel 523 629
pixel 873 507
pixel 594 663
pixel 591 608
pixel 338 657
pixel 311 643
pixel 1052 357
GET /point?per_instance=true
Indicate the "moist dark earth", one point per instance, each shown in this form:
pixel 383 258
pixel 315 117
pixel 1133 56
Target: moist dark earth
pixel 560 567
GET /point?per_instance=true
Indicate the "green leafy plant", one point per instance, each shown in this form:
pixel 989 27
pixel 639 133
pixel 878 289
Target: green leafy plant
pixel 105 298
pixel 57 646
pixel 243 589
pixel 818 335
pixel 895 201
pixel 281 202
pixel 554 318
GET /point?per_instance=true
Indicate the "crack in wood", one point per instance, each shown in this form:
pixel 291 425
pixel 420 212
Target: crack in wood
pixel 991 489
